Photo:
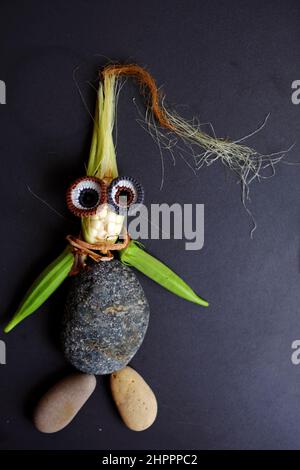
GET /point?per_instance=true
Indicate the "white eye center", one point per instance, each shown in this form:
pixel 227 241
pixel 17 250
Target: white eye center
pixel 125 192
pixel 86 195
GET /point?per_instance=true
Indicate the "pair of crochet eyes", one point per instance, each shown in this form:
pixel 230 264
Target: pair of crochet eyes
pixel 86 194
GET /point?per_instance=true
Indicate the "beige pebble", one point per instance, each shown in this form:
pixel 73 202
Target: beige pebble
pixel 61 403
pixel 134 398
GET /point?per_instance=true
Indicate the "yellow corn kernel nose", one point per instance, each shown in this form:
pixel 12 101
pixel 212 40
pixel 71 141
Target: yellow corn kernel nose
pixel 104 226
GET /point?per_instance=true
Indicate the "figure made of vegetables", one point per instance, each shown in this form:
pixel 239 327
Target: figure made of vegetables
pixel 106 313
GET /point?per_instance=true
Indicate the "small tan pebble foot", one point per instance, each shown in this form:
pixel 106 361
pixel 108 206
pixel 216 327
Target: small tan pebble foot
pixel 134 399
pixel 61 403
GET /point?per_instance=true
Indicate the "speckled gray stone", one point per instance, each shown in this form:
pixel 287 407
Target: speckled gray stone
pixel 106 318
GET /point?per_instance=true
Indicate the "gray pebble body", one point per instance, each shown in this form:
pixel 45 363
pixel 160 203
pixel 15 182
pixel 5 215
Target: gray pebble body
pixel 106 318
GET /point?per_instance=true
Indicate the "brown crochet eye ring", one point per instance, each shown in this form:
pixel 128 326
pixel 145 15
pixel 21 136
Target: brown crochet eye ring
pixel 85 195
pixel 128 188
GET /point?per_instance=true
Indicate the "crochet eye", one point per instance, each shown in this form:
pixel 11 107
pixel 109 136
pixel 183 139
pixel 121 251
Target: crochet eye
pixel 124 192
pixel 85 195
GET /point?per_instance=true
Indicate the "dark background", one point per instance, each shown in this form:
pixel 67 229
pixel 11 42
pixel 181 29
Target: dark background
pixel 223 376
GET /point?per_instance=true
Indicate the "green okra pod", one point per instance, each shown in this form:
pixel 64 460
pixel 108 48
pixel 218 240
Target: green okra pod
pixel 48 281
pixel 134 255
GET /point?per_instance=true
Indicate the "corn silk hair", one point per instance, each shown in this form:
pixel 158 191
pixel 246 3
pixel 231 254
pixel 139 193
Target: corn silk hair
pixel 173 133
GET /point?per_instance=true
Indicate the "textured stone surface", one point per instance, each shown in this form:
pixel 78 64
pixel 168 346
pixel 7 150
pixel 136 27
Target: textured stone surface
pixel 61 403
pixel 106 318
pixel 134 399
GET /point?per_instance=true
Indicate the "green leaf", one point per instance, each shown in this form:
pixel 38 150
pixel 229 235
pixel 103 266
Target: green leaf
pixel 102 160
pixel 43 287
pixel 134 255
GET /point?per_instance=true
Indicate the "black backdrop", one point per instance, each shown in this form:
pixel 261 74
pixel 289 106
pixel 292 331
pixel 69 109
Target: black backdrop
pixel 223 376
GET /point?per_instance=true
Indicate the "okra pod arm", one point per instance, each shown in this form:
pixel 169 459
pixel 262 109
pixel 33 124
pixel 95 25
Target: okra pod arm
pixel 134 255
pixel 48 281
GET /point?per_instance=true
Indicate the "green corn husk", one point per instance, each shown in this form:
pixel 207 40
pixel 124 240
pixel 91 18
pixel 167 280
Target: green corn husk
pixel 134 255
pixel 102 160
pixel 48 281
